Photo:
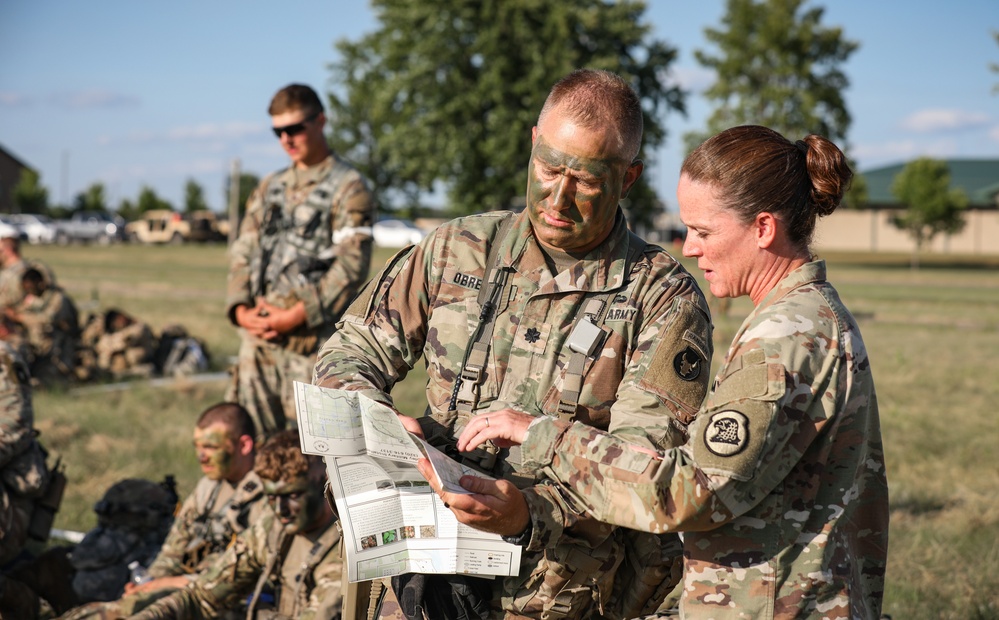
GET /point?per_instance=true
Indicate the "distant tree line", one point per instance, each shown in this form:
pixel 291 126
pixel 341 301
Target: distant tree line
pixel 30 196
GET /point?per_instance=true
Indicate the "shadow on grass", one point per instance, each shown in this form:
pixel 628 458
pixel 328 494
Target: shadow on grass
pixel 919 506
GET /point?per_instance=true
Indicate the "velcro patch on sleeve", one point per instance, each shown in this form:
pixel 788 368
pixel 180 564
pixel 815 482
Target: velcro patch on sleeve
pixel 729 438
pixel 679 369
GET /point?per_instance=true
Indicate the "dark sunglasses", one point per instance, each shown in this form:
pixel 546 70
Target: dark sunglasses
pixel 293 130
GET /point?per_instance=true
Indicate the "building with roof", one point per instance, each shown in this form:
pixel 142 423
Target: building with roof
pixel 870 229
pixel 10 174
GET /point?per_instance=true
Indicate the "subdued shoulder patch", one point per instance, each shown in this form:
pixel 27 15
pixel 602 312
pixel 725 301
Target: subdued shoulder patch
pixel 688 364
pixel 726 433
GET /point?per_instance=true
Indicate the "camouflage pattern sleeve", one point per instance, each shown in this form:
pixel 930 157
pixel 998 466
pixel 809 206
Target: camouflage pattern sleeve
pixel 782 483
pixel 229 579
pixel 170 560
pixel 382 333
pixel 326 599
pixel 16 413
pixel 667 373
pixel 241 251
pixel 354 213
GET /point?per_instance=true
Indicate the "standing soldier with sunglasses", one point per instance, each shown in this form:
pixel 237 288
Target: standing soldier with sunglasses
pixel 303 251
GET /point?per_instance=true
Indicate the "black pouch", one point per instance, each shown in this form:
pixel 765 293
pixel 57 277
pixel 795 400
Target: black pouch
pixel 450 597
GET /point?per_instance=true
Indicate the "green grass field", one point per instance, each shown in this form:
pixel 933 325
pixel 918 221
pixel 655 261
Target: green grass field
pixel 933 337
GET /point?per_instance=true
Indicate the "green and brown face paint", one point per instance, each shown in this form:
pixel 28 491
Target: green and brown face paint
pixel 216 451
pixel 571 199
pixel 297 502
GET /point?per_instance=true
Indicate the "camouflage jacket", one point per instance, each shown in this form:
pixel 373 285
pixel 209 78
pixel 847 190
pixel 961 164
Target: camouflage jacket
pixel 306 236
pixel 781 492
pixel 20 476
pixel 304 571
pixel 17 417
pixel 425 304
pixel 52 325
pixel 207 522
pixel 130 345
pixel 11 292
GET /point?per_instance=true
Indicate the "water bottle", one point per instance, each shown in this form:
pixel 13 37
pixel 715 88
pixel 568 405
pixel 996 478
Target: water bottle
pixel 139 574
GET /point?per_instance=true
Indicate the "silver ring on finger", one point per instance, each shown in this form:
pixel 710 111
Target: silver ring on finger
pixel 487 421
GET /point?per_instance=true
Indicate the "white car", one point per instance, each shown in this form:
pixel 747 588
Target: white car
pixel 397 233
pixel 8 229
pixel 39 228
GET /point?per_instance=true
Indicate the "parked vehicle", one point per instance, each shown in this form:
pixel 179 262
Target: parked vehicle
pixel 38 228
pixel 9 229
pixel 394 233
pixel 166 226
pixel 90 226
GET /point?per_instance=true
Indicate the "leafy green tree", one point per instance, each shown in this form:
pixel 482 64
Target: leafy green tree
pixel 932 206
pixel 444 94
pixel 149 201
pixel 194 197
pixel 777 66
pixel 29 195
pixel 91 199
pixel 128 210
pixel 247 183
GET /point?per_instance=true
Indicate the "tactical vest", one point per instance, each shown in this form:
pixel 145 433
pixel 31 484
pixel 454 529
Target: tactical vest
pixel 296 241
pixel 215 527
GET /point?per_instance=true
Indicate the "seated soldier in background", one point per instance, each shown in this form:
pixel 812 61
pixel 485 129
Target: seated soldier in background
pixel 51 328
pixel 293 552
pixel 126 346
pixel 227 499
pixel 12 267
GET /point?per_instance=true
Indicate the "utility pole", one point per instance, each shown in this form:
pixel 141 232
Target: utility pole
pixel 234 174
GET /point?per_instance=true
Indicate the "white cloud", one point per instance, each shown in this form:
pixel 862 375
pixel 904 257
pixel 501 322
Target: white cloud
pixel 930 120
pixel 94 98
pixel 694 79
pixel 11 100
pixel 210 137
pixel 994 133
pixel 872 155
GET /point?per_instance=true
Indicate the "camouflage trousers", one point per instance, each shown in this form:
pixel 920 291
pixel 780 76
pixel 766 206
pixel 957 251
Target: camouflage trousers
pixel 262 383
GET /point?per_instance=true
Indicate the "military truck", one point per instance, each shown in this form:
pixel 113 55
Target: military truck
pixel 166 226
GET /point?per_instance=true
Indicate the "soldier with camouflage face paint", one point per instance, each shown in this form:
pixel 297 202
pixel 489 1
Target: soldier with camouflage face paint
pixel 303 251
pixel 226 501
pixel 781 492
pixel 558 311
pixel 294 550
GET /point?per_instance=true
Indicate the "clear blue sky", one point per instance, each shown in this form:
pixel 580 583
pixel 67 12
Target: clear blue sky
pixel 133 93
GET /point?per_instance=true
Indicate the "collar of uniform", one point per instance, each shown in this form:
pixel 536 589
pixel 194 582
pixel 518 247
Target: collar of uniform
pixel 808 273
pixel 601 269
pixel 295 178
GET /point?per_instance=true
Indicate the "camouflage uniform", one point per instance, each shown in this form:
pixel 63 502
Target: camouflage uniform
pixel 11 292
pixel 425 303
pixel 22 474
pixel 781 492
pixel 208 521
pixel 303 570
pixel 52 331
pixel 126 352
pixel 216 511
pixel 306 237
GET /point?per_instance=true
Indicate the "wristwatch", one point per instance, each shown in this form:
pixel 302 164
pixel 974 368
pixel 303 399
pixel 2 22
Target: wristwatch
pixel 522 538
